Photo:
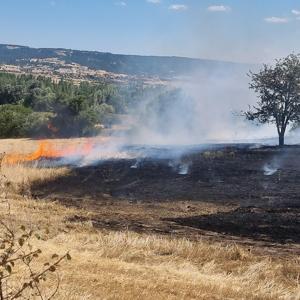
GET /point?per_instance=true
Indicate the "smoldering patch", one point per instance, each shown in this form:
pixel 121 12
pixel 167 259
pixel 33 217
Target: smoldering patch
pixel 270 169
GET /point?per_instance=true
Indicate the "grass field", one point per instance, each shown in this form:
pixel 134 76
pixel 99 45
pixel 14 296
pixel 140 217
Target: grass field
pixel 122 264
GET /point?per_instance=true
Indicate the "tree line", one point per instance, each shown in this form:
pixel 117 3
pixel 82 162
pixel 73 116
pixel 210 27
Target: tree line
pixel 37 106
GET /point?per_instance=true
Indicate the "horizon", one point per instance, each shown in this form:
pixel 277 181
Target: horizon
pixel 227 30
pixel 130 54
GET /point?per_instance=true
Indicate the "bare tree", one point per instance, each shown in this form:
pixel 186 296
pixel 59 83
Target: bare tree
pixel 23 269
pixel 278 89
pixel 17 282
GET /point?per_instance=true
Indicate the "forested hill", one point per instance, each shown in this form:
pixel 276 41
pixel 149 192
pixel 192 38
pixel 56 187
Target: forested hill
pixel 160 66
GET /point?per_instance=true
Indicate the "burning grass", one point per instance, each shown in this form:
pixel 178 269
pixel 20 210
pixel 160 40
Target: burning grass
pixel 50 150
pixel 110 264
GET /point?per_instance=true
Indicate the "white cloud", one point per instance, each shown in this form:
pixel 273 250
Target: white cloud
pixel 219 8
pixel 178 7
pixel 296 12
pixel 277 20
pixel 154 1
pixel 121 3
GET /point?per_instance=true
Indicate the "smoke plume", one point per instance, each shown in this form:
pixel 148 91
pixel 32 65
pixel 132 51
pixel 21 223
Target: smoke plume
pixel 201 108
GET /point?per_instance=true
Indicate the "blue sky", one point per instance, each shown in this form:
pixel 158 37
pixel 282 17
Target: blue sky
pixel 234 30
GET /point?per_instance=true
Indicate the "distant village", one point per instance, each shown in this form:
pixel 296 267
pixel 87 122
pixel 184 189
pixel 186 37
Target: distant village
pixel 58 69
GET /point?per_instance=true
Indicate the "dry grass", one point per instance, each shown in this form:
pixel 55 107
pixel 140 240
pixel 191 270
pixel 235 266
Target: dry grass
pixel 29 145
pixel 19 174
pixel 128 265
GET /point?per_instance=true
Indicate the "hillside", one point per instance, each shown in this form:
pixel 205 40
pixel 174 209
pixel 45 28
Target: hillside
pixel 132 65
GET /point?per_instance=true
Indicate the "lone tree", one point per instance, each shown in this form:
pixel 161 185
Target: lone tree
pixel 278 88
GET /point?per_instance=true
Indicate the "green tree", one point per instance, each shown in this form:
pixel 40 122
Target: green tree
pixel 67 108
pixel 13 119
pixel 278 89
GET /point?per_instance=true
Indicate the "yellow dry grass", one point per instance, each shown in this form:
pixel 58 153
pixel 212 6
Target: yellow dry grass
pixel 25 146
pixel 128 265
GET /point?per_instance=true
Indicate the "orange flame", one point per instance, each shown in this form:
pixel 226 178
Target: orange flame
pixel 48 150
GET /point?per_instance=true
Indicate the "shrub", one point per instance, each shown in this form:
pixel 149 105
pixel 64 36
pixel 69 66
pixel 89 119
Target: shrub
pixel 20 121
pixel 13 119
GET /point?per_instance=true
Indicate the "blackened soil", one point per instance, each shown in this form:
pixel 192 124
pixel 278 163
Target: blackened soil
pixel 275 225
pixel 236 175
pixel 261 186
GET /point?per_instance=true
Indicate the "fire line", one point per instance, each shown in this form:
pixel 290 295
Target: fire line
pixel 49 150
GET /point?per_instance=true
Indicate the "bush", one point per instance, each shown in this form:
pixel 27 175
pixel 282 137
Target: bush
pixel 19 121
pixel 13 119
pixel 23 268
pixel 20 278
pixel 38 124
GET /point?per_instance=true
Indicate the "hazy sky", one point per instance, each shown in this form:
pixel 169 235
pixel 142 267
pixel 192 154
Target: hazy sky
pixel 235 30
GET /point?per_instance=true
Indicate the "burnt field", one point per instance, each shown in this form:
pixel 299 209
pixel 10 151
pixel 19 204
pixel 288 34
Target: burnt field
pixel 231 192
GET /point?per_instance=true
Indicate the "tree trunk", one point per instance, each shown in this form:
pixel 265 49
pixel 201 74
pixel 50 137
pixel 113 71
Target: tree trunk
pixel 281 139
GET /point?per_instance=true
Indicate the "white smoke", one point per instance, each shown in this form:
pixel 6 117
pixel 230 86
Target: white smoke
pixel 269 169
pixel 208 110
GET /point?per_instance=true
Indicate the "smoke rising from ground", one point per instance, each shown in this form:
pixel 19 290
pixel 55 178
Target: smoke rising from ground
pixel 201 109
pixel 205 108
pixel 178 119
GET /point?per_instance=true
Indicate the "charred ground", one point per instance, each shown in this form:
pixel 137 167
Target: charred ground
pixel 231 192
